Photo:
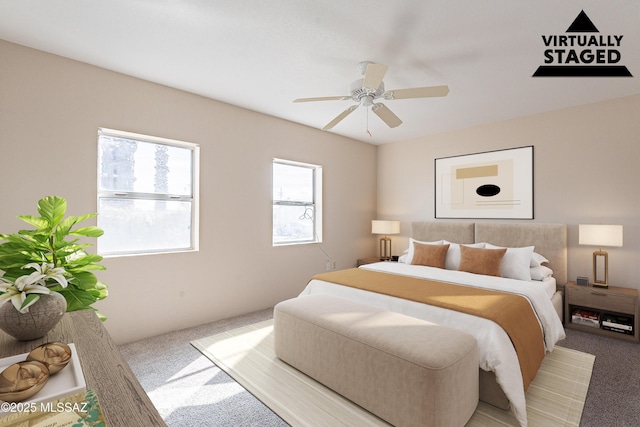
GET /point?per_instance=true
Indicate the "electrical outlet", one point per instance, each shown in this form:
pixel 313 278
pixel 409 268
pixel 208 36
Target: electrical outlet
pixel 328 265
pixel 331 265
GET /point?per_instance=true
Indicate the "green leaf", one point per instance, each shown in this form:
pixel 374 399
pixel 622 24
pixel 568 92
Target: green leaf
pixel 86 267
pixel 16 260
pixel 18 254
pixel 77 299
pixel 64 226
pixel 64 248
pixel 13 247
pixel 91 231
pixel 52 208
pixel 94 258
pixel 35 236
pixel 84 279
pixel 67 248
pixel 87 259
pixel 85 217
pixel 103 289
pixel 30 299
pixel 36 221
pixel 13 273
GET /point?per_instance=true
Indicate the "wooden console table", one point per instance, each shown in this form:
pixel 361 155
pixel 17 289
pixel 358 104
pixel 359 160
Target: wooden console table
pixel 122 399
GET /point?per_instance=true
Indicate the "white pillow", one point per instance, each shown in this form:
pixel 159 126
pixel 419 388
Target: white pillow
pixel 541 272
pixel 516 263
pixel 537 259
pixel 409 257
pixel 452 260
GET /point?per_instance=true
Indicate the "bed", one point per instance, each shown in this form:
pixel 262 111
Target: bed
pixel 501 382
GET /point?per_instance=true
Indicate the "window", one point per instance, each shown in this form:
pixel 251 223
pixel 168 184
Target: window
pixel 147 194
pixel 297 202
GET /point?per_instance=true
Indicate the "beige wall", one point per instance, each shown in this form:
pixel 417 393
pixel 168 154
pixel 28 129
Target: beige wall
pixel 50 111
pixel 586 170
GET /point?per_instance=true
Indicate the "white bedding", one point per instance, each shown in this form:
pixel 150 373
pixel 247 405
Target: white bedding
pixel 496 352
pixel 549 285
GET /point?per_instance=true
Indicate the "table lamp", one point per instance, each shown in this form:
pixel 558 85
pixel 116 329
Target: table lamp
pixel 600 235
pixel 385 228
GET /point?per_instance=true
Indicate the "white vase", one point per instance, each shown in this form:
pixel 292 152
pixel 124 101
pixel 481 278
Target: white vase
pixel 37 322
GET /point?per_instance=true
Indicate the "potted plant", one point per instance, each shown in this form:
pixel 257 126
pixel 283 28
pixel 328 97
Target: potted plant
pixel 48 261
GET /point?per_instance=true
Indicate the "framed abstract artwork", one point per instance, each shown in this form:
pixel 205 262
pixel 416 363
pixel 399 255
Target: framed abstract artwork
pixel 490 185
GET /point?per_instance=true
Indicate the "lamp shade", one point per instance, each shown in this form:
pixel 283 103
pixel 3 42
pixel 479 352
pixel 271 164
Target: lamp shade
pixel 385 227
pixel 600 235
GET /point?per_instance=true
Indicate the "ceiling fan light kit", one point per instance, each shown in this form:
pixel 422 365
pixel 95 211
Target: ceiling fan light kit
pixel 366 90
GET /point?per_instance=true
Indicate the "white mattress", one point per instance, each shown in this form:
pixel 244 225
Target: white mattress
pixel 496 353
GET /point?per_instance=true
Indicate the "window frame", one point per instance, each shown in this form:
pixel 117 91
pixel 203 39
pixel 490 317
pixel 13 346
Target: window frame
pixel 194 198
pixel 316 202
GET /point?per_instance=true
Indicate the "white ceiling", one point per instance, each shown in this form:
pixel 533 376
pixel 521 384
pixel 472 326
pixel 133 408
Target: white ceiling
pixel 261 55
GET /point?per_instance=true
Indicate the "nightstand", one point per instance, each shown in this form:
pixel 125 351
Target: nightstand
pixel 611 312
pixel 363 261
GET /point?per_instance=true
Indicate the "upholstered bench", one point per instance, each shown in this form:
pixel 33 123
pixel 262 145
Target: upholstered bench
pixel 407 371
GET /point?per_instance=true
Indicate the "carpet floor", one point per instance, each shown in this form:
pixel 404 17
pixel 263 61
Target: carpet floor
pixel 189 390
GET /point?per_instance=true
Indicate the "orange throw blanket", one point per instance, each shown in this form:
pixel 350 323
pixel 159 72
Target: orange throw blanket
pixel 512 312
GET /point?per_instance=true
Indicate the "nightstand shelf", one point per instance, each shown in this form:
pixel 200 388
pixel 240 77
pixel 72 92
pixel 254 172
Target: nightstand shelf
pixel 615 310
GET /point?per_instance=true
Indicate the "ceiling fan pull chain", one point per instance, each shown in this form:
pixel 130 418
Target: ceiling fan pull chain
pixel 368 124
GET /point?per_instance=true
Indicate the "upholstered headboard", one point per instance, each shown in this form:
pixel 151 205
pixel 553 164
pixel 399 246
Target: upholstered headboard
pixel 457 232
pixel 549 240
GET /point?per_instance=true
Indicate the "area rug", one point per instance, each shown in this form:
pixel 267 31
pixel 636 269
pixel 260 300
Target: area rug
pixel 555 398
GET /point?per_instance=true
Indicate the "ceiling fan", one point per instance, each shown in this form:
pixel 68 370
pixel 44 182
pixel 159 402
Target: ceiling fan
pixel 366 90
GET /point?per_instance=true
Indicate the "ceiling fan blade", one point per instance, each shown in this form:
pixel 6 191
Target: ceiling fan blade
pixel 374 75
pixel 340 116
pixel 323 98
pixel 417 92
pixel 386 115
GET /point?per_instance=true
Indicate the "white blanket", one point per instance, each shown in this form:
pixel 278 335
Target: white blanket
pixel 496 353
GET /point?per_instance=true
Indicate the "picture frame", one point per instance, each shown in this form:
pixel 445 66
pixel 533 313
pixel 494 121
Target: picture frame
pixel 487 185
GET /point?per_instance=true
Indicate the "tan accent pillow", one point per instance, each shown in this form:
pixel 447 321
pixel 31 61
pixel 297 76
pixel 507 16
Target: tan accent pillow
pixel 481 261
pixel 429 255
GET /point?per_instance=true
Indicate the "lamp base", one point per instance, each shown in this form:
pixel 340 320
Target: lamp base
pixel 385 248
pixel 601 269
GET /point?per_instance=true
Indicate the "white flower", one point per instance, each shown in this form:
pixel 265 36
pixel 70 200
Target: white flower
pixel 47 271
pixel 17 292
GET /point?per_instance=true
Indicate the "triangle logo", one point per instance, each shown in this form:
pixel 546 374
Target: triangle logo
pixel 581 53
pixel 582 24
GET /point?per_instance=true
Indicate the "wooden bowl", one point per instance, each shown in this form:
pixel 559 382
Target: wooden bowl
pixel 22 380
pixel 56 355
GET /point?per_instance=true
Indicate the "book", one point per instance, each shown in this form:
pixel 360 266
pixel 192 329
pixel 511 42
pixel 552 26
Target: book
pixel 617 323
pixel 584 317
pixel 584 321
pixel 619 330
pixel 617 326
pixel 585 314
